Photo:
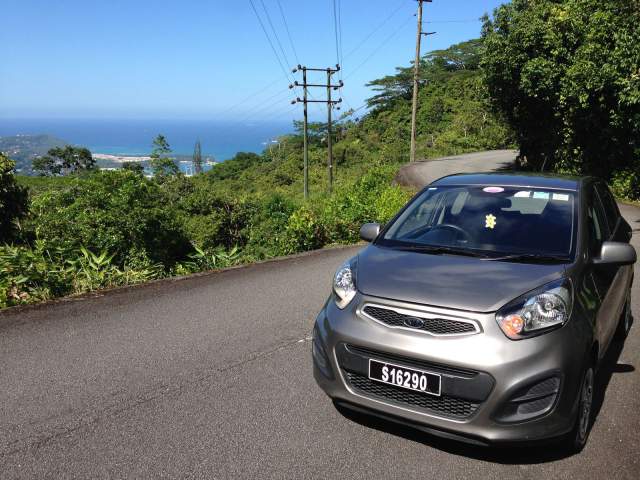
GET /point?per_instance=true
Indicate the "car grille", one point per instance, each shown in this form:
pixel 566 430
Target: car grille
pixel 436 326
pixel 445 406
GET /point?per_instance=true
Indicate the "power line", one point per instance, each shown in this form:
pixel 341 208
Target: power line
pixel 340 32
pixel 377 49
pixel 249 97
pixel 255 11
pixel 455 21
pixel 275 34
pixel 340 39
pixel 286 26
pixel 374 31
pixel 264 106
pixel 335 31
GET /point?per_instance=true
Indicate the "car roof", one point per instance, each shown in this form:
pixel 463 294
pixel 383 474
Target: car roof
pixel 514 179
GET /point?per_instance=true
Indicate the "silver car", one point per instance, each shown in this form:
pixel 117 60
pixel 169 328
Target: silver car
pixel 482 311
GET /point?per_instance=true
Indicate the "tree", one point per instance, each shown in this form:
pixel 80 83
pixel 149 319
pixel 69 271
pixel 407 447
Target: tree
pixel 435 67
pixel 233 167
pixel 197 158
pixel 135 167
pixel 566 75
pixel 162 165
pixel 64 160
pixel 13 199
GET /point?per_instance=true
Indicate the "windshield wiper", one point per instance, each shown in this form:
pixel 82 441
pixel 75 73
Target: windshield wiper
pixel 440 250
pixel 531 258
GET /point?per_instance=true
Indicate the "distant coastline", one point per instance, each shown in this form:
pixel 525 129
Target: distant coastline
pixel 220 139
pixel 120 158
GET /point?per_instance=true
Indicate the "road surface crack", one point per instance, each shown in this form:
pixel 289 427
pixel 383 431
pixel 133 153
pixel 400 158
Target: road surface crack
pixel 86 418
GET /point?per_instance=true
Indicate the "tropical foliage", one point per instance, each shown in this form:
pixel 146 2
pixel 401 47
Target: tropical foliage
pixel 566 76
pixel 13 200
pixel 92 230
pixel 63 161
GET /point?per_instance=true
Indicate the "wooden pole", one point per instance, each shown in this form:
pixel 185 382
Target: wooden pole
pixel 416 80
pixel 329 145
pixel 306 137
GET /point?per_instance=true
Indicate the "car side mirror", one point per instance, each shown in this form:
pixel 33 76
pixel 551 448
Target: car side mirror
pixel 369 231
pixel 616 253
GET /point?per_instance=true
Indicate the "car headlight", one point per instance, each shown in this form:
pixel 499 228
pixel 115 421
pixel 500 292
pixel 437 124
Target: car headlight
pixel 344 283
pixel 537 312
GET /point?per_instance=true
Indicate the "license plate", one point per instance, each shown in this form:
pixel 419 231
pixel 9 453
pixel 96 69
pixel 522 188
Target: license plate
pixel 409 378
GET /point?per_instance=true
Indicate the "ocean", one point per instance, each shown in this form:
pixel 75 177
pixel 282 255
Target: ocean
pixel 220 140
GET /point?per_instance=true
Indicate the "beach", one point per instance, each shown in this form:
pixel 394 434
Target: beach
pixel 120 158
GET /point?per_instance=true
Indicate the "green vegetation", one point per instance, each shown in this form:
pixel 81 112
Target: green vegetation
pixel 455 114
pixel 90 230
pixel 162 165
pixel 93 230
pixel 63 161
pixel 544 73
pixel 566 76
pixel 197 158
pixel 23 149
pixel 13 200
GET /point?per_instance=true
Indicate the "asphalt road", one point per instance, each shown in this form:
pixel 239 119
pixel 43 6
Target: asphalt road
pixel 418 174
pixel 210 377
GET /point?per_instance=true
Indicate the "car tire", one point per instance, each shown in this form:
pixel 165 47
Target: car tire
pixel 626 319
pixel 578 437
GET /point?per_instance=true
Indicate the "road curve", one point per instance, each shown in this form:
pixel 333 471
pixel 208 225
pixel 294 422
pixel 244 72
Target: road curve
pixel 210 377
pixel 418 174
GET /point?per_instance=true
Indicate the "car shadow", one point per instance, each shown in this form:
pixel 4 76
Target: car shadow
pixel 507 167
pixel 507 454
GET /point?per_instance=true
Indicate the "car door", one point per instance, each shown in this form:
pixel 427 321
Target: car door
pixel 610 280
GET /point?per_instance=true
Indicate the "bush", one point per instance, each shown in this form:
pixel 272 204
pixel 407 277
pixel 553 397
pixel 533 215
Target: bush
pixel 29 275
pixel 13 200
pixel 565 76
pixel 303 232
pixel 267 236
pixel 114 211
pixel 625 184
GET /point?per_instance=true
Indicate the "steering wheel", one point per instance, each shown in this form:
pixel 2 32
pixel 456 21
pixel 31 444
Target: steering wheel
pixel 455 228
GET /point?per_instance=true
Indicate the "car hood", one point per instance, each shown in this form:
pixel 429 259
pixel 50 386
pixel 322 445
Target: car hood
pixel 451 281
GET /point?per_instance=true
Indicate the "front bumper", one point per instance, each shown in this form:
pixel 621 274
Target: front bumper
pixel 481 373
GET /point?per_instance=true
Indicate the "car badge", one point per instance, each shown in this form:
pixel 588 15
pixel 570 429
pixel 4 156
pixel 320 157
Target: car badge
pixel 414 322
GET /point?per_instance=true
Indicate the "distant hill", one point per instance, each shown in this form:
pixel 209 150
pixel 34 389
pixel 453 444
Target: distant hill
pixel 24 148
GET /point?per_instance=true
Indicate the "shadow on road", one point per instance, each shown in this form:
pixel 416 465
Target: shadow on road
pixel 507 167
pixel 530 454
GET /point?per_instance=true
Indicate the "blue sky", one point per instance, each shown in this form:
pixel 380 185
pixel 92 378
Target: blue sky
pixel 202 59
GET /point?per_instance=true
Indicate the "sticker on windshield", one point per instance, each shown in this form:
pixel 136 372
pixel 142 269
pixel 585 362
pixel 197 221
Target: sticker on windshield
pixel 493 189
pixel 490 221
pixel 541 195
pixel 563 197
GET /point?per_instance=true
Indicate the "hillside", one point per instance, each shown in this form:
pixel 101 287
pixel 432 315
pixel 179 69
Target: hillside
pixel 24 148
pixel 109 228
pixel 454 117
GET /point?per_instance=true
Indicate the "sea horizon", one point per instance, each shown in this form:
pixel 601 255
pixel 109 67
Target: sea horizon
pixel 219 139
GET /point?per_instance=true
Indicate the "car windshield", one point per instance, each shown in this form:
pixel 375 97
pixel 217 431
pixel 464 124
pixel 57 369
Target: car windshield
pixel 492 221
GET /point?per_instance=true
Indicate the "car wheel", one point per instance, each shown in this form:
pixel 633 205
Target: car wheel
pixel 580 434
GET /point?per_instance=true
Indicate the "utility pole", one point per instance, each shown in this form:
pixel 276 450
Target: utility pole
pixel 306 136
pixel 416 80
pixel 329 145
pixel 330 103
